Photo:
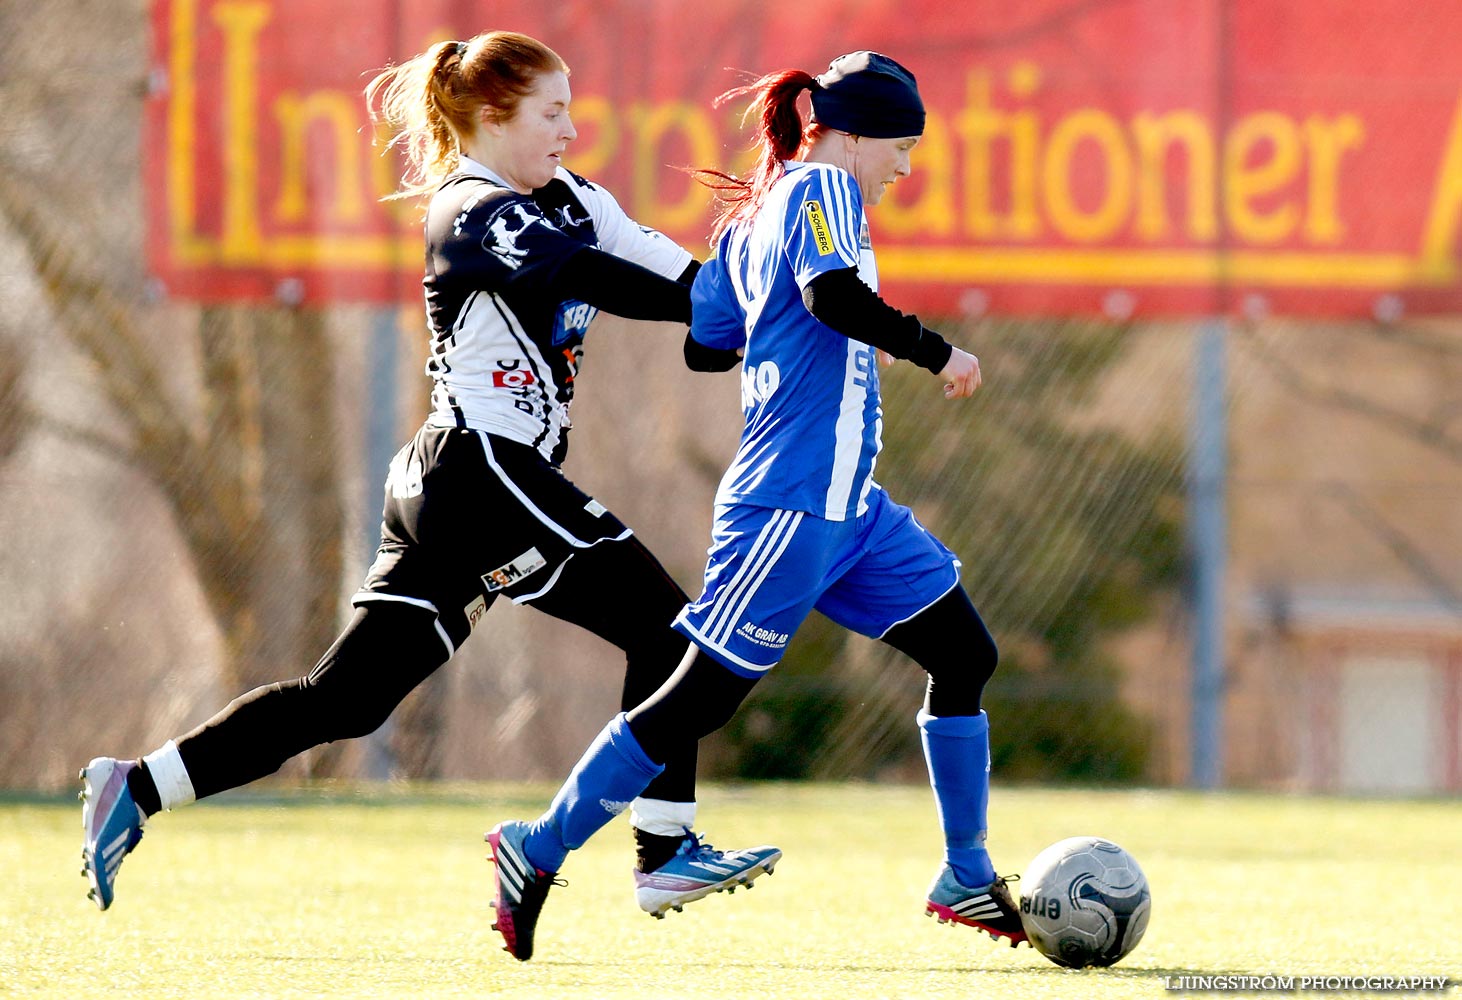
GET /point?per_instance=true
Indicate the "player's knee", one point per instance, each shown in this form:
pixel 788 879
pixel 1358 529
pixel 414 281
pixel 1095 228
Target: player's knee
pixel 702 699
pixel 650 663
pixel 378 659
pixel 984 655
pixel 661 729
pixel 348 714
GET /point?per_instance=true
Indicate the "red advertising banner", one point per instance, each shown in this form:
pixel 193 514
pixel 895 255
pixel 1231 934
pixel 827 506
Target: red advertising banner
pixel 1146 157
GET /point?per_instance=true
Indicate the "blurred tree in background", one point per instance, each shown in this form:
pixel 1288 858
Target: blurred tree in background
pixel 226 410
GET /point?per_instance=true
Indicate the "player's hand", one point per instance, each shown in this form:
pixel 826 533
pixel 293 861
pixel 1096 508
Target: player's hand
pixel 885 359
pixel 961 376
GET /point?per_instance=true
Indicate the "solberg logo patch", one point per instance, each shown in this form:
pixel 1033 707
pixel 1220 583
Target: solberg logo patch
pixel 821 234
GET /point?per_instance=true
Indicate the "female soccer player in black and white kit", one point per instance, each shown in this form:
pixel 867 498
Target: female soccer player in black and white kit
pixel 520 254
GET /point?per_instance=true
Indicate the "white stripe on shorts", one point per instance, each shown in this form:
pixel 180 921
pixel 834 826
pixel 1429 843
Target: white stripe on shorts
pixel 552 525
pixel 765 570
pixel 765 539
pixel 753 573
pixel 718 603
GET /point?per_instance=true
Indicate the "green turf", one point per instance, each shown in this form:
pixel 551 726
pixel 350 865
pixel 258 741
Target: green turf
pixel 319 893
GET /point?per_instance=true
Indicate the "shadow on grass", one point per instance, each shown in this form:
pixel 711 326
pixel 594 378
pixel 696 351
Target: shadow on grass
pixel 1132 973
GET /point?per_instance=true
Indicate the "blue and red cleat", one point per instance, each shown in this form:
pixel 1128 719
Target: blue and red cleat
pixel 521 888
pixel 988 908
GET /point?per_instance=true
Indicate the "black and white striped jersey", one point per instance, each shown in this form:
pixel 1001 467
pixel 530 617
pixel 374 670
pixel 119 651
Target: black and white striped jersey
pixel 505 345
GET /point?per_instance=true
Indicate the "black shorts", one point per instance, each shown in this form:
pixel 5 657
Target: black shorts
pixel 470 516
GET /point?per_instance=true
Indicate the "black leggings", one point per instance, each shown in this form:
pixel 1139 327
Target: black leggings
pixel 617 590
pixel 948 639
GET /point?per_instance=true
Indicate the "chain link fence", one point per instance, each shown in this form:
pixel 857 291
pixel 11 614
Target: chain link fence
pixel 188 494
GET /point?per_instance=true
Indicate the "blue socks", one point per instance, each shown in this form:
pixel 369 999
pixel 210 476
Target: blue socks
pixel 957 748
pixel 612 772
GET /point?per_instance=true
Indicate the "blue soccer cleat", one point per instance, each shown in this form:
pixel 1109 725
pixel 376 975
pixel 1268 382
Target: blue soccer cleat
pixel 989 908
pixel 112 822
pixel 521 888
pixel 698 870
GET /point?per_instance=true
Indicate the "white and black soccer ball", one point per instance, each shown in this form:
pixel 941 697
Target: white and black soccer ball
pixel 1084 901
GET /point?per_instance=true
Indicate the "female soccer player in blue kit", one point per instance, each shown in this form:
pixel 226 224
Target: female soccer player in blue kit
pixel 791 295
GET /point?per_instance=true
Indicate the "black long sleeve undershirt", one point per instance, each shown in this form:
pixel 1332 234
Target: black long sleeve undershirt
pixel 623 288
pixel 842 301
pixel 687 277
pixel 700 358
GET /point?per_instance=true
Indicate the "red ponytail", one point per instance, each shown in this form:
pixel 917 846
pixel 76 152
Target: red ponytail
pixel 779 132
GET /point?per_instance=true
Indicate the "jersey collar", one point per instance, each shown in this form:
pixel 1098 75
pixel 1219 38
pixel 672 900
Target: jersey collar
pixel 468 165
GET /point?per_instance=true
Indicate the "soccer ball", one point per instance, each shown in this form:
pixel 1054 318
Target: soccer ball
pixel 1084 901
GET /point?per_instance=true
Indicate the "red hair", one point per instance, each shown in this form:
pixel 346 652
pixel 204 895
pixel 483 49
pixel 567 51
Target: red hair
pixel 781 134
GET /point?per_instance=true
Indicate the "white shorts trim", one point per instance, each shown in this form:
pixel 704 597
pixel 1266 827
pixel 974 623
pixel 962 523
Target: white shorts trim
pixel 728 603
pixel 546 587
pixel 718 649
pixel 947 591
pixel 552 525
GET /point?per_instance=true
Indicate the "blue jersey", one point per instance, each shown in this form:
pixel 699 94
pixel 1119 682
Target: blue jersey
pixel 809 394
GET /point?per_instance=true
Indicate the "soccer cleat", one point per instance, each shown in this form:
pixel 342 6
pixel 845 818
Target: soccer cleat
pixel 112 824
pixel 521 888
pixel 989 908
pixel 697 870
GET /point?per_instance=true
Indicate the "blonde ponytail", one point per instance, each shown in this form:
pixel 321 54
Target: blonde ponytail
pixel 431 103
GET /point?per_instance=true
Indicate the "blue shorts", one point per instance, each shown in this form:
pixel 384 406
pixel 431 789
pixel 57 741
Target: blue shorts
pixel 768 568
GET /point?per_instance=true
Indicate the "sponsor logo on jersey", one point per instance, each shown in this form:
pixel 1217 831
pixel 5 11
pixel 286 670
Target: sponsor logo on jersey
pixel 475 611
pixel 768 637
pixel 821 235
pixel 563 217
pixel 573 321
pixel 510 573
pixel 502 235
pixel 516 379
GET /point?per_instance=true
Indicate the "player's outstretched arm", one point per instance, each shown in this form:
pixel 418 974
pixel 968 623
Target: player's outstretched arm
pixel 840 300
pixel 621 287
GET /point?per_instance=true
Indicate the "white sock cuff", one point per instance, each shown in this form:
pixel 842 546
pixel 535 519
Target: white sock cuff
pixel 662 818
pixel 174 787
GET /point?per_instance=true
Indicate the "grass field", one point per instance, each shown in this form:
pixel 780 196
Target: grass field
pixel 325 893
